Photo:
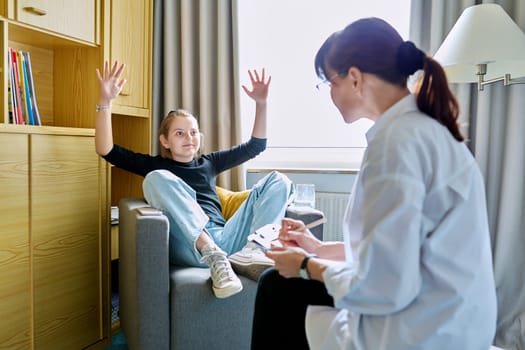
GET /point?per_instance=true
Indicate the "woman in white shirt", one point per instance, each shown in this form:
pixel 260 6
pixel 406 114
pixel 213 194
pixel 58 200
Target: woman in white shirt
pixel 415 268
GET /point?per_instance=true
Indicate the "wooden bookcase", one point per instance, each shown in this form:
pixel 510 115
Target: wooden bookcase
pixel 54 241
pixel 56 192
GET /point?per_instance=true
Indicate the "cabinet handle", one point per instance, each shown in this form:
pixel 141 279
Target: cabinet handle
pixel 35 10
pixel 122 93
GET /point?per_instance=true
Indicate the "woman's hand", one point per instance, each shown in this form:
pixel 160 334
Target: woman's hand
pixel 287 260
pixel 110 83
pixel 293 233
pixel 260 85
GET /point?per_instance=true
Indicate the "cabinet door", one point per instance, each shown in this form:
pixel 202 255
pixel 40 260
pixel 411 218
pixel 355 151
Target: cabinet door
pixel 74 18
pixel 66 241
pixel 130 44
pixel 15 285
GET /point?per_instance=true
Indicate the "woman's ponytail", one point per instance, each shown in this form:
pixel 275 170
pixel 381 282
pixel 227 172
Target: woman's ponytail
pixel 435 98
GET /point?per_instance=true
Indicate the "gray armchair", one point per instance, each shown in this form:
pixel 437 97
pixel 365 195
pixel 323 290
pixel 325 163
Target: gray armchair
pixel 171 307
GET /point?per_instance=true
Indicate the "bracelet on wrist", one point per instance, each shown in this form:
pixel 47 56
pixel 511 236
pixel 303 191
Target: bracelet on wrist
pixel 99 108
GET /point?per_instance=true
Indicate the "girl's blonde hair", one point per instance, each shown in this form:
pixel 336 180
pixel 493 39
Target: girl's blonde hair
pixel 164 128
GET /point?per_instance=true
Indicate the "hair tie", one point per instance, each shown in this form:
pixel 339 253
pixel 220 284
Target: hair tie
pixel 409 58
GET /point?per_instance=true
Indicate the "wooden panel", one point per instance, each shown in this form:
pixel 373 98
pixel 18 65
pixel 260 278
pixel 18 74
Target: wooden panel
pixel 132 133
pixel 131 19
pixel 66 242
pixel 114 242
pixel 15 306
pixel 75 18
pixel 125 184
pixel 75 97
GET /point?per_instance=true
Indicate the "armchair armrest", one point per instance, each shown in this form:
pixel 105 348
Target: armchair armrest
pixel 144 285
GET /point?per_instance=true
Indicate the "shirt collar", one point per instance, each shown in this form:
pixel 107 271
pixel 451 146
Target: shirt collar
pixel 405 105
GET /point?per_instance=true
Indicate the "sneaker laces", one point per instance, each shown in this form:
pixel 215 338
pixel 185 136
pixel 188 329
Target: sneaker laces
pixel 219 265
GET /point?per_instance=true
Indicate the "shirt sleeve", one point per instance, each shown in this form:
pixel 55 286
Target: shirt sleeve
pixel 232 157
pixel 136 163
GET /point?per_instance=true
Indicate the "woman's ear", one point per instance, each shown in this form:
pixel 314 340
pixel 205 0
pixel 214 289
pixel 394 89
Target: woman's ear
pixel 356 76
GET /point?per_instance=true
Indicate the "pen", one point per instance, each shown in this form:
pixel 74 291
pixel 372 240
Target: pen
pixel 315 223
pixel 308 226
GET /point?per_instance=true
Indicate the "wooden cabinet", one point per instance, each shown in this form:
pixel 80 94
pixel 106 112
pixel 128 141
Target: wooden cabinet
pixel 55 242
pixel 55 228
pixel 54 232
pixel 130 37
pixel 74 18
pixel 68 275
pixel 15 299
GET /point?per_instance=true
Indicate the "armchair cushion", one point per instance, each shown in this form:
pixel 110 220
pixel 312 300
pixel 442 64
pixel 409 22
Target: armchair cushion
pixel 230 200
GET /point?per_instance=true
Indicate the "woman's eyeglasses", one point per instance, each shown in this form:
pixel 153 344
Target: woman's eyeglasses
pixel 328 82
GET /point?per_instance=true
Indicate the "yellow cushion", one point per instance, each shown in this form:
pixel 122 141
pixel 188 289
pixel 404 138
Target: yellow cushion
pixel 230 200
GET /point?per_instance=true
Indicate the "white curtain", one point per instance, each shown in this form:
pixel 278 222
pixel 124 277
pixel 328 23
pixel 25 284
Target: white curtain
pixel 494 121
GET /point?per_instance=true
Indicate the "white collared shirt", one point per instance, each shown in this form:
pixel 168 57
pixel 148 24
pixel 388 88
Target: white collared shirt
pixel 419 272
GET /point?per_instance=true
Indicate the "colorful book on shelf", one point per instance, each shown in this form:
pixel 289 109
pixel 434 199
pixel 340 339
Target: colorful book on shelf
pixel 10 102
pixel 25 89
pixel 17 92
pixel 13 118
pixel 31 85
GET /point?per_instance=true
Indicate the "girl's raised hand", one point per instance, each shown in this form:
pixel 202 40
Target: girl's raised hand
pixel 111 83
pixel 260 85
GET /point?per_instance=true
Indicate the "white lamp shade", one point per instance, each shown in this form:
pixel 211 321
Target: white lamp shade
pixel 483 34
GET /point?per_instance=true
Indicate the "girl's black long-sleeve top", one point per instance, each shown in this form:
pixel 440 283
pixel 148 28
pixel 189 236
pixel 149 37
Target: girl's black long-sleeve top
pixel 200 173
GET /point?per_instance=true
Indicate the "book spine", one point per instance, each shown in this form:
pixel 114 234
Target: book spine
pixel 32 91
pixel 17 91
pixel 13 118
pixel 27 95
pixel 22 87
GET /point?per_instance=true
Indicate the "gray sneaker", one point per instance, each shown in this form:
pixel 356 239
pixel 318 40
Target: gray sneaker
pixel 225 281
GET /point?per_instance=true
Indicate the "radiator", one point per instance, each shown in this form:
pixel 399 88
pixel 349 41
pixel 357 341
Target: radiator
pixel 333 205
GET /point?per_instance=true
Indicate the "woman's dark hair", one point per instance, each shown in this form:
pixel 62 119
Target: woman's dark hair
pixel 374 46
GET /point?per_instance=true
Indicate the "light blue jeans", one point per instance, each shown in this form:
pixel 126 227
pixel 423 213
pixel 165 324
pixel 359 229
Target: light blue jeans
pixel 266 204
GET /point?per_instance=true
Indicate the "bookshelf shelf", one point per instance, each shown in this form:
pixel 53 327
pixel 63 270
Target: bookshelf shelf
pixel 62 101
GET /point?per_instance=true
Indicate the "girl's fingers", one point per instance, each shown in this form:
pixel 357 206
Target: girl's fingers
pixel 119 72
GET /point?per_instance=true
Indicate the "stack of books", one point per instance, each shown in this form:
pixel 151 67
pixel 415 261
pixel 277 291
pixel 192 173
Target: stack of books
pixel 23 108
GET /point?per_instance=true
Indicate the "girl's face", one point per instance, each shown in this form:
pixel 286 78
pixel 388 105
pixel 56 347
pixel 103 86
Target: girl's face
pixel 183 139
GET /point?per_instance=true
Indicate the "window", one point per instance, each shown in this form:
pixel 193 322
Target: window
pixel 305 130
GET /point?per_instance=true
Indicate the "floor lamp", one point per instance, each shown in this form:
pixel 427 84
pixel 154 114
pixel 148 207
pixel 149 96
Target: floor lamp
pixel 485 46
